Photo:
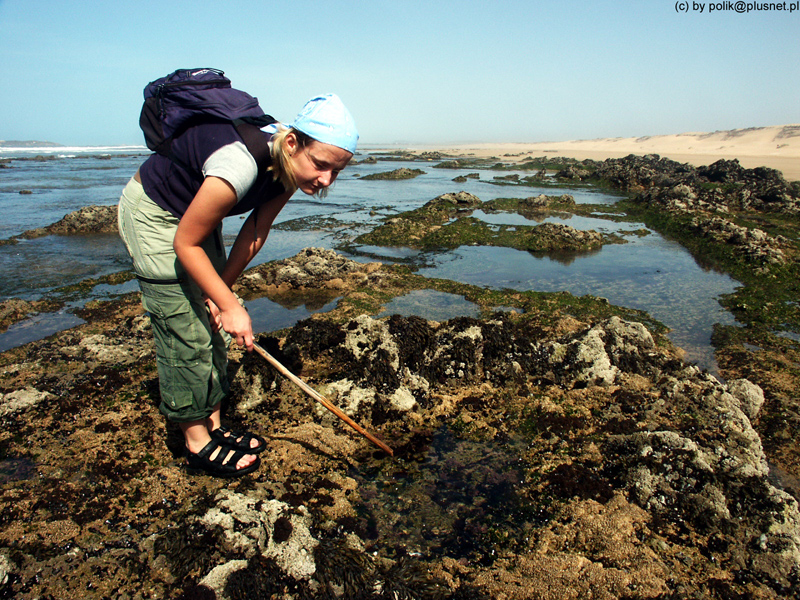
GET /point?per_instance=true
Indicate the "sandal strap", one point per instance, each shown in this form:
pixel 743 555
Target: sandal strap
pixel 237 439
pixel 232 434
pixel 223 454
pixel 218 461
pixel 207 449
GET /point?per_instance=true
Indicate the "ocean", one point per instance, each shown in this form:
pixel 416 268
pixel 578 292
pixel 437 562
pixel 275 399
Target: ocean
pixel 649 273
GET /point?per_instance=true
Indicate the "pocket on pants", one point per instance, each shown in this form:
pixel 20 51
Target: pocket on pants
pixel 175 399
pixel 182 338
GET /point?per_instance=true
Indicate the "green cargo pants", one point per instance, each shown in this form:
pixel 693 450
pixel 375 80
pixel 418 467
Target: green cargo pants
pixel 192 360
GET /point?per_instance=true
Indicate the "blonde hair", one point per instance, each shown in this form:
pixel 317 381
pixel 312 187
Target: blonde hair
pixel 281 161
pixel 281 165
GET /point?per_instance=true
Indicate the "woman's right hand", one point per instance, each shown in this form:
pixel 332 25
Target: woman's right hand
pixel 236 322
pixel 213 315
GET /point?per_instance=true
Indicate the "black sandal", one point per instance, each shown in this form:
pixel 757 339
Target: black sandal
pixel 239 441
pixel 218 467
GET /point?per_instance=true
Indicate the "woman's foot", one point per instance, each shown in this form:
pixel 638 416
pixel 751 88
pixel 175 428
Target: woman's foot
pixel 244 442
pixel 220 460
pixel 198 440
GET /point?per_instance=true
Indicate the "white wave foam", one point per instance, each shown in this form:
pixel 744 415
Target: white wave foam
pixel 66 151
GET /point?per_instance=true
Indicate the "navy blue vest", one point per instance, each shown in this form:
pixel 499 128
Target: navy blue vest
pixel 173 187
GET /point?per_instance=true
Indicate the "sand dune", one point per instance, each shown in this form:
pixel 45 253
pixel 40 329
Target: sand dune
pixel 777 147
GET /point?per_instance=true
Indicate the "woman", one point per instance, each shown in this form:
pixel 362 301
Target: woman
pixel 170 220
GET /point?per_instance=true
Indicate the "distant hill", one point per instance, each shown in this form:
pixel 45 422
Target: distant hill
pixel 27 144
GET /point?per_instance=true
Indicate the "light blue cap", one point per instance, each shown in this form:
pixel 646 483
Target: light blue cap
pixel 326 119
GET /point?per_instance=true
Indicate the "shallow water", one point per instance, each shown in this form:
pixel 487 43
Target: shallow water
pixel 270 316
pixel 37 327
pixel 431 305
pixel 448 496
pixel 648 273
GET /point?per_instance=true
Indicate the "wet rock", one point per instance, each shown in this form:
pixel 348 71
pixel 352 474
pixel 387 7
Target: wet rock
pixel 749 395
pixel 598 355
pixel 753 244
pixel 463 178
pixel 367 336
pixel 573 173
pixel 216 580
pixel 557 236
pixel 536 455
pixel 349 397
pixel 722 186
pixel 514 178
pixel 446 222
pixel 710 477
pixel 458 199
pixel 386 360
pixel 431 155
pixel 311 268
pixel 396 175
pixel 268 527
pixel 21 400
pixel 542 201
pixel 6 568
pixel 103 349
pixel 557 567
pixel 86 220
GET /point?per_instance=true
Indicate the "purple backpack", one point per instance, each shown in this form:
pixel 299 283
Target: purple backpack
pixel 189 97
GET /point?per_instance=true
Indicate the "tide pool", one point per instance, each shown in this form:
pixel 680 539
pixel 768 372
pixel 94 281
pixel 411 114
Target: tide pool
pixel 649 272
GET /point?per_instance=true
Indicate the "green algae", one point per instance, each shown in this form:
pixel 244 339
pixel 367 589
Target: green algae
pixel 443 223
pixel 396 175
pixel 84 287
pixel 313 223
pixel 471 163
pixel 539 238
pixel 768 298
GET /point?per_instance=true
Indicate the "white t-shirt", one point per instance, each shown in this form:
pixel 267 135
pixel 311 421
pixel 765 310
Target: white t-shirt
pixel 234 164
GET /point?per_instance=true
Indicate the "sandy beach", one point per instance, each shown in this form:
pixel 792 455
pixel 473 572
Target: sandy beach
pixel 777 147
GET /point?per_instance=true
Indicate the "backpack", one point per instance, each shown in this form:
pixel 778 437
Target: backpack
pixel 188 97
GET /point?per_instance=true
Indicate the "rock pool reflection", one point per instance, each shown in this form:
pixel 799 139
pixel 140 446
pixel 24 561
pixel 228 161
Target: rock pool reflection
pixel 648 273
pixel 271 316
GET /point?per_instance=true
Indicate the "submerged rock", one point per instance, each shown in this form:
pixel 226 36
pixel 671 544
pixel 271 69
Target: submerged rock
pixel 14 310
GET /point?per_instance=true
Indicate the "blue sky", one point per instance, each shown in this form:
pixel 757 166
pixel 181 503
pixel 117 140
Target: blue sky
pixel 435 72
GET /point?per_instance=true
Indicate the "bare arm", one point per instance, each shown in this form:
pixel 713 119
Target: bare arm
pixel 252 237
pixel 211 204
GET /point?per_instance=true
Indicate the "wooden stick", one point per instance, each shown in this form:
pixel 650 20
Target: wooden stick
pixel 320 398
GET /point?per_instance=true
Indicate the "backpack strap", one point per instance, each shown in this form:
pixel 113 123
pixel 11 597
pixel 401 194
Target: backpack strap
pixel 255 140
pixel 249 130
